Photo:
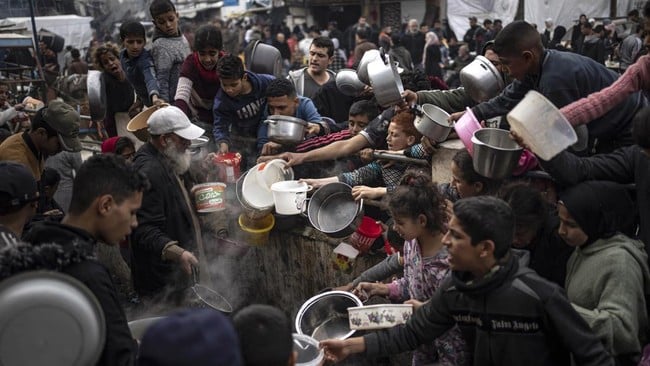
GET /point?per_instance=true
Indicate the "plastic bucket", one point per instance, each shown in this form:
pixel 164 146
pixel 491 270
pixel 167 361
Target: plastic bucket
pixel 309 353
pixel 289 196
pixel 209 197
pixel 465 128
pixel 366 234
pixel 227 165
pixel 256 231
pixel 546 131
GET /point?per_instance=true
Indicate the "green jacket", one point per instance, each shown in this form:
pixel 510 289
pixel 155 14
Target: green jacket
pixel 451 101
pixel 605 283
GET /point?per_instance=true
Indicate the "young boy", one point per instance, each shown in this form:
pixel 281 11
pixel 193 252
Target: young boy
pixel 138 64
pixel 169 47
pixel 239 105
pixel 508 315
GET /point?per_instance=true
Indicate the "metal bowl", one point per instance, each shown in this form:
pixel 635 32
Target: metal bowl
pixel 49 318
pixel 433 123
pixel 96 95
pixel 333 211
pixel 264 59
pixel 481 79
pixel 385 81
pixel 348 82
pixel 325 316
pixel 286 130
pixel 495 155
pixel 366 59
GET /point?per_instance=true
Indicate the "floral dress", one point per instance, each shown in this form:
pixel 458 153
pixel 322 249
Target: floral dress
pixel 422 277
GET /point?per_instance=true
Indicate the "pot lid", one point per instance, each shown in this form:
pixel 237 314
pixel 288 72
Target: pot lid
pixel 281 118
pixel 49 318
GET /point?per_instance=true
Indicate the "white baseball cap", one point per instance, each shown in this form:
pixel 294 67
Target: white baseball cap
pixel 173 120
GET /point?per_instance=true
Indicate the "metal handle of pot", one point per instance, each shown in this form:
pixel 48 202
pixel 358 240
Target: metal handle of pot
pixel 303 209
pixel 398 157
pixel 384 57
pixel 417 110
pixel 270 122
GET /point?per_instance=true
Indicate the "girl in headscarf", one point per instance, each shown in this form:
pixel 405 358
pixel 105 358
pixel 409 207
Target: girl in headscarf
pixel 431 57
pixel 607 274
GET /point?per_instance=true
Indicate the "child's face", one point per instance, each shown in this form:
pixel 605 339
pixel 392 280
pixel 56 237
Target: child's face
pixel 209 57
pixel 167 23
pixel 232 87
pixel 409 228
pixel 569 230
pixel 357 124
pixel 283 105
pixel 134 45
pixel 111 64
pixel 398 139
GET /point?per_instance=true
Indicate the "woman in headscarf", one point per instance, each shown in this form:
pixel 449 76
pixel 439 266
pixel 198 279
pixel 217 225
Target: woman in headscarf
pixel 607 274
pixel 431 57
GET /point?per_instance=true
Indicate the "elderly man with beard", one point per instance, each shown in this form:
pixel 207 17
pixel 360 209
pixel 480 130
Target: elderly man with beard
pixel 168 232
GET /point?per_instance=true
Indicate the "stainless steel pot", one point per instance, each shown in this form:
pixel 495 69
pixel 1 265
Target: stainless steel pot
pixel 348 82
pixel 333 211
pixel 386 82
pixel 199 148
pixel 433 122
pixel 481 79
pixel 96 95
pixel 262 58
pixel 286 130
pixel 495 155
pixel 49 318
pixel 325 316
pixel 362 69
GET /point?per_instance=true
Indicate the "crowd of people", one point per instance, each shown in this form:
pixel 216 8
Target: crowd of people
pixel 546 267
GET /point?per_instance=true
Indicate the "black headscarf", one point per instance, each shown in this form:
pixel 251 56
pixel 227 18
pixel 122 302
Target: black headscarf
pixel 600 208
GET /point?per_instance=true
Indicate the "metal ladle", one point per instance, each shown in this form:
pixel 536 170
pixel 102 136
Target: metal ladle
pixel 209 296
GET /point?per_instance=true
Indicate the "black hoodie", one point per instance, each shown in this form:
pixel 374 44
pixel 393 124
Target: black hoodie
pixel 71 250
pixel 509 317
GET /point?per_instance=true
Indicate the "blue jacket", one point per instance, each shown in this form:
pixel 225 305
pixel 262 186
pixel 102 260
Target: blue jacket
pixel 564 78
pixel 243 114
pixel 141 73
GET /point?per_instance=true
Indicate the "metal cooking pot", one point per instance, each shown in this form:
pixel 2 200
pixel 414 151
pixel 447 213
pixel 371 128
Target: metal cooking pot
pixel 325 316
pixel 286 130
pixel 96 95
pixel 481 79
pixel 199 148
pixel 432 122
pixel 362 69
pixel 333 211
pixel 262 58
pixel 348 82
pixel 386 82
pixel 495 155
pixel 49 318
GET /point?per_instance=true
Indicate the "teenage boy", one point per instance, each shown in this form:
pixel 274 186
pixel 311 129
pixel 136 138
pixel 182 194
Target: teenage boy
pixel 239 106
pixel 54 128
pixel 508 315
pixel 309 79
pixel 138 64
pixel 169 47
pixel 562 77
pixel 18 201
pixel 106 195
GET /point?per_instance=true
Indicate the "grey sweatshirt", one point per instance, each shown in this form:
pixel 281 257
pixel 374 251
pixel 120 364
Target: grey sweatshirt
pixel 168 56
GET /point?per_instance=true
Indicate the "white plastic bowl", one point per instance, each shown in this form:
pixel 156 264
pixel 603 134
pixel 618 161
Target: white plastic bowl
pixel 541 125
pixel 289 196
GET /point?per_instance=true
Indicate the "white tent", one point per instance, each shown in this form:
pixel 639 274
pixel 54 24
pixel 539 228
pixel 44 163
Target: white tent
pixel 74 29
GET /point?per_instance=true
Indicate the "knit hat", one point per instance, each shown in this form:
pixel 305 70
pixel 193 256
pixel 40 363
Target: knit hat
pixel 197 337
pixel 108 146
pixel 62 118
pixel 17 186
pixel 173 119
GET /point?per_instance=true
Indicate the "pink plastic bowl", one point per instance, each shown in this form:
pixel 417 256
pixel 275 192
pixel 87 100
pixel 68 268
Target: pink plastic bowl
pixel 465 128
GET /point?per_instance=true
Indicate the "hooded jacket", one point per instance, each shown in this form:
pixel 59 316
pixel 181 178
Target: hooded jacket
pixel 70 250
pixel 509 317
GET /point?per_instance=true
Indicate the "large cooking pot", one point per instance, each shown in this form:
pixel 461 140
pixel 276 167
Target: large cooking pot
pixel 49 318
pixel 481 79
pixel 362 69
pixel 347 81
pixel 286 130
pixel 333 211
pixel 432 122
pixel 495 154
pixel 385 81
pixel 325 316
pixel 262 58
pixel 96 95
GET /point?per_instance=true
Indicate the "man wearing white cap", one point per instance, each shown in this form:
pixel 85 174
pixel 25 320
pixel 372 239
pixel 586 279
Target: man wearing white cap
pixel 168 234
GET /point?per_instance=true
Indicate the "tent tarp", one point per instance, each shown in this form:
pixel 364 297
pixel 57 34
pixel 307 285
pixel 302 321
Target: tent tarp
pixel 458 12
pixel 73 28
